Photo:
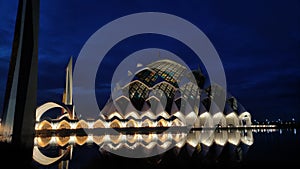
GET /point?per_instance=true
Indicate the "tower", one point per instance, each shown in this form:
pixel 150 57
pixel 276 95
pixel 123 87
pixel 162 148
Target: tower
pixel 21 88
pixel 68 92
pixel 67 97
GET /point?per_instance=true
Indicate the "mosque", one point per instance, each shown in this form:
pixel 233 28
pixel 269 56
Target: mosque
pixel 163 94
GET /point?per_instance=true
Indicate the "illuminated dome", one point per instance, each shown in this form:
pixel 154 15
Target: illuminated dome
pixel 163 89
pixel 168 90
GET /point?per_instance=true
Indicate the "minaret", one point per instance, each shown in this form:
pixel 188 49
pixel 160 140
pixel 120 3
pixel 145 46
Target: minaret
pixel 68 92
pixel 21 88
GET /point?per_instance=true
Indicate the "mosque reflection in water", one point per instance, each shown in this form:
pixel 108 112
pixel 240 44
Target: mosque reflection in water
pixel 58 151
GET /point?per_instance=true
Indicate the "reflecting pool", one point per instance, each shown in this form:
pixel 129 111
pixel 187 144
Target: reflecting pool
pixel 234 148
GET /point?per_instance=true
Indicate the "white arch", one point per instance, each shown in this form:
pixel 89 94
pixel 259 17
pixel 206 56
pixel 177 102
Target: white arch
pixel 147 123
pixel 81 124
pixel 219 119
pixel 220 138
pixel 115 124
pixel 132 114
pixel 180 116
pixel 39 157
pixel 115 114
pixel 204 120
pixel 232 120
pixel 164 115
pixel 64 115
pixel 68 126
pixel 42 125
pixel 99 124
pixel 177 122
pixel 132 123
pixel 191 118
pixel 162 123
pixel 245 119
pixel 45 107
pixel 148 114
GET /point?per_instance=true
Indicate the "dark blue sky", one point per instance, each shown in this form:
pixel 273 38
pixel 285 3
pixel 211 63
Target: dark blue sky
pixel 258 43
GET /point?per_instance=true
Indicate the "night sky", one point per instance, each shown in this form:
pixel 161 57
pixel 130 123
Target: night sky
pixel 258 43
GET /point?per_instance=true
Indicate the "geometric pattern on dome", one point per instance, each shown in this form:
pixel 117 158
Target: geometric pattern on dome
pixel 155 89
pixel 161 79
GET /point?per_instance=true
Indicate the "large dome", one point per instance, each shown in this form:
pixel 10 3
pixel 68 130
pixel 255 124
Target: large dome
pixel 162 87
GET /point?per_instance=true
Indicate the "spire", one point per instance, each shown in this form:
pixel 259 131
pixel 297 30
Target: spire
pixel 68 93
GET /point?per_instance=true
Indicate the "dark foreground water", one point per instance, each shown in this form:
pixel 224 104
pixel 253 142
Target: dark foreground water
pixel 276 149
pixel 225 149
